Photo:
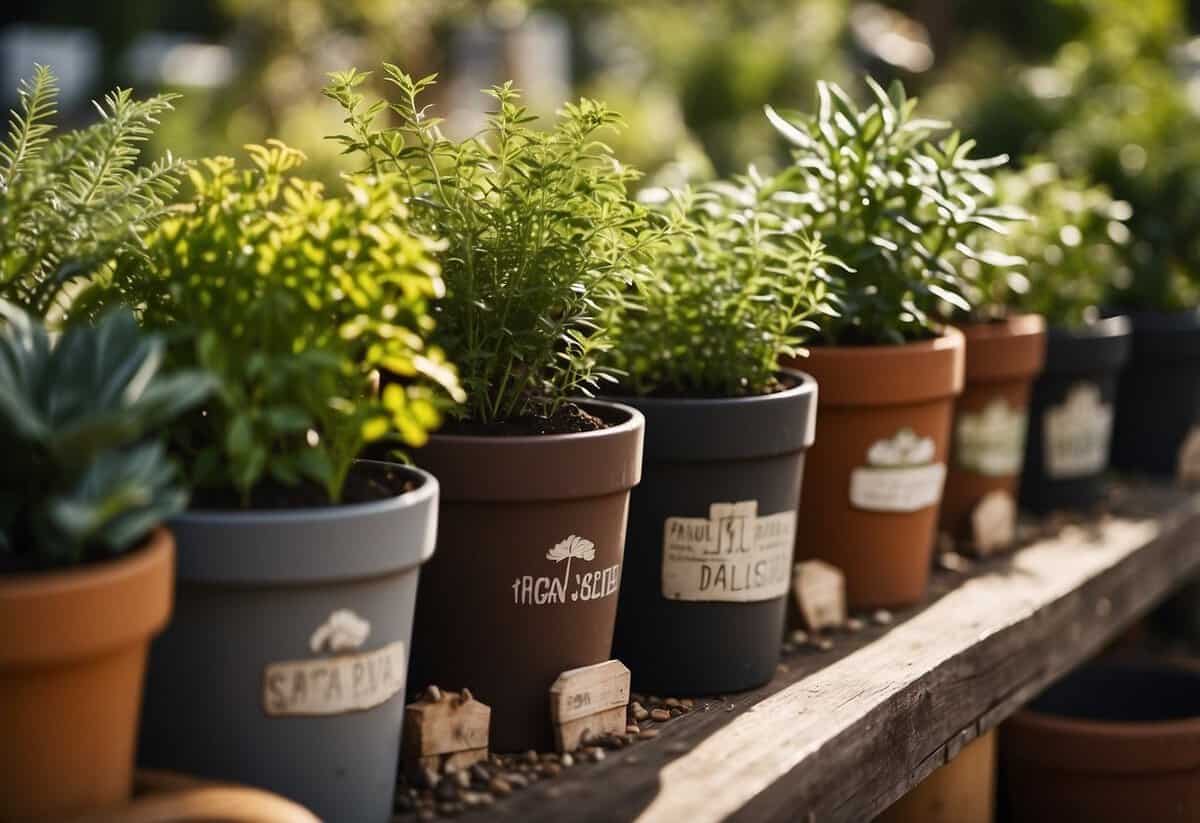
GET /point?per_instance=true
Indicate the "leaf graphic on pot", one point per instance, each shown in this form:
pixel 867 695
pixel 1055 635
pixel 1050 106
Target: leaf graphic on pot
pixel 904 448
pixel 570 548
pixel 342 631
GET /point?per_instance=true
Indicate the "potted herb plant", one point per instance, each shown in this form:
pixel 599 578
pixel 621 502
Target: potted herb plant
pixel 297 565
pixel 708 560
pixel 1072 245
pixel 85 565
pixel 901 208
pixel 542 240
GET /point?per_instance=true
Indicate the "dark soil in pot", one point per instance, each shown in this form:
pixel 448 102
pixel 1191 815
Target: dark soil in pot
pixel 874 476
pixel 524 582
pixel 1159 398
pixel 284 666
pixel 991 415
pixel 1071 416
pixel 1108 744
pixel 712 527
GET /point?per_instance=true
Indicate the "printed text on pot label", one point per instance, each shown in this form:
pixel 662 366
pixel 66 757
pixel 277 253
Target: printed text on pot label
pixel 582 586
pixel 334 685
pixel 1077 433
pixel 900 475
pixel 732 556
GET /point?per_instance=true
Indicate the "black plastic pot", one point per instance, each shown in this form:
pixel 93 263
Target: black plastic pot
pixel 1159 398
pixel 284 664
pixel 1071 416
pixel 708 558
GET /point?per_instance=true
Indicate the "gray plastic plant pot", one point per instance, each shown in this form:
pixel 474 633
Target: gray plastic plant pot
pixel 708 559
pixel 284 665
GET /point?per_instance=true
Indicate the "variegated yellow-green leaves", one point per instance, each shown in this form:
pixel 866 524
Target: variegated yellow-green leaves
pixel 296 300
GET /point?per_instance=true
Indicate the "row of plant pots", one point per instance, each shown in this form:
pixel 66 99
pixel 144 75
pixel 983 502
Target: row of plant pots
pixel 302 320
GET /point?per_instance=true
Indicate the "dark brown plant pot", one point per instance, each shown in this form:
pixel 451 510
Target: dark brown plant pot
pixel 712 528
pixel 991 416
pixel 875 474
pixel 523 585
pixel 73 647
pixel 1109 744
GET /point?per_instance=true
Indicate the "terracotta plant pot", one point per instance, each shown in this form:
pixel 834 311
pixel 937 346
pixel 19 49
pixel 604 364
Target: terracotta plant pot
pixel 962 791
pixel 284 666
pixel 1109 744
pixel 1071 416
pixel 712 526
pixel 1158 402
pixel 524 583
pixel 72 655
pixel 875 474
pixel 991 416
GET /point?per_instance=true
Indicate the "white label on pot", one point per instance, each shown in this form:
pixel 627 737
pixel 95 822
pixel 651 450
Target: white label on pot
pixel 900 475
pixel 585 584
pixel 991 441
pixel 334 685
pixel 732 556
pixel 1077 432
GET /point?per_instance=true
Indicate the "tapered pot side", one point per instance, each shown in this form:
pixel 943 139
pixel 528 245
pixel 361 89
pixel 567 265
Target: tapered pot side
pixel 1158 401
pixel 524 582
pixel 711 537
pixel 991 416
pixel 284 667
pixel 875 474
pixel 1071 416
pixel 73 649
pixel 1108 744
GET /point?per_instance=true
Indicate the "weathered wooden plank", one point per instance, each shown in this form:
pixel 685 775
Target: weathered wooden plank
pixel 840 736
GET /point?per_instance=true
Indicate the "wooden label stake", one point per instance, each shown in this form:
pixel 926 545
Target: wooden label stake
pixel 445 730
pixel 820 592
pixel 994 523
pixel 589 702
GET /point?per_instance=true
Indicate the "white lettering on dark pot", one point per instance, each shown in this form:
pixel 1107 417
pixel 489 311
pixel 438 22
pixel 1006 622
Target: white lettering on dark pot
pixel 900 475
pixel 593 584
pixel 733 556
pixel 1077 433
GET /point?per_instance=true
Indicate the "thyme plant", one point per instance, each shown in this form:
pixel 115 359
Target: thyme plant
pixel 901 206
pixel 739 286
pixel 71 203
pixel 542 237
pixel 294 299
pixel 1074 243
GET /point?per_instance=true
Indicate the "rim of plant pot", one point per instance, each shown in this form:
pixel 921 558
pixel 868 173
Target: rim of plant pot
pixel 1166 335
pixel 307 536
pixel 766 424
pixel 1007 349
pixel 1041 735
pixel 613 456
pixel 1102 345
pixel 915 372
pixel 95 607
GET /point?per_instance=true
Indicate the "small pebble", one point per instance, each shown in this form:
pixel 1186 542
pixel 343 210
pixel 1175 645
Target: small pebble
pixel 655 700
pixel 449 809
pixel 648 734
pixel 954 562
pixel 550 770
pixel 639 713
pixel 567 760
pixel 823 643
pixel 516 780
pixel 677 712
pixel 782 668
pixel 500 786
pixel 550 757
pixel 433 694
pixel 632 728
pixel 671 703
pixel 531 756
pixel 883 617
pixel 799 637
pixel 463 779
pixel 688 703
pixel 855 625
pixel 597 754
pixel 788 648
pixel 661 715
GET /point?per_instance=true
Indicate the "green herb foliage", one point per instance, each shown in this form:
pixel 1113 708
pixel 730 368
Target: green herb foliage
pixel 542 237
pixel 1074 243
pixel 294 300
pixel 70 203
pixel 902 208
pixel 85 474
pixel 739 286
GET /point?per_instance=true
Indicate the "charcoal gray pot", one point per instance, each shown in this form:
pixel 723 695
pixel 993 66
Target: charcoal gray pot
pixel 708 556
pixel 1159 398
pixel 284 664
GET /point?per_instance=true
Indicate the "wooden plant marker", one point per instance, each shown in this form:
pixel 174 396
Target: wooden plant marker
pixel 1188 466
pixel 592 699
pixel 994 523
pixel 445 730
pixel 820 592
